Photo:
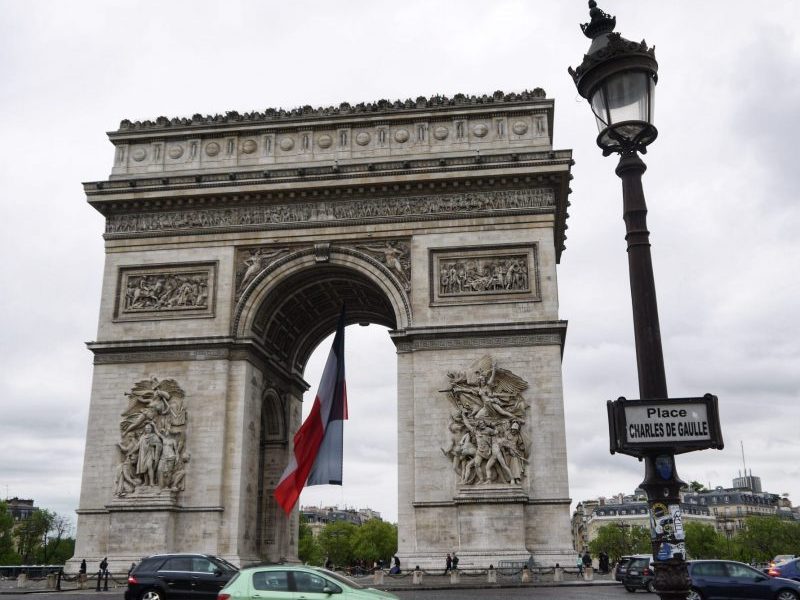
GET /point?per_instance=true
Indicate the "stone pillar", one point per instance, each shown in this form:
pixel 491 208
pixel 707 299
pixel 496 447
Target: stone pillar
pixel 526 574
pixel 588 574
pixel 558 574
pixel 491 575
pixel 22 580
pixel 454 576
pixel 416 577
pixel 377 577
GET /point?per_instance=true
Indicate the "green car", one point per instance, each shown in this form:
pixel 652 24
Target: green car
pixel 287 582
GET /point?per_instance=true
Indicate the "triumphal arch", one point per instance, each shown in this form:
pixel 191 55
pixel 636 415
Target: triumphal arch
pixel 232 242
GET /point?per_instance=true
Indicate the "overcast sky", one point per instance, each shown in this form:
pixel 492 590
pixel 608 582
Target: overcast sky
pixel 721 186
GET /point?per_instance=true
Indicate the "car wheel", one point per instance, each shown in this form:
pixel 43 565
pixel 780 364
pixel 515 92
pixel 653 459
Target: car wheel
pixel 786 595
pixel 151 595
pixel 694 595
pixel 651 587
pixel 630 589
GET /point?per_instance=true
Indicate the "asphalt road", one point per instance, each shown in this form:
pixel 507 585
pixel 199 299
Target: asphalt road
pixel 532 593
pixel 538 593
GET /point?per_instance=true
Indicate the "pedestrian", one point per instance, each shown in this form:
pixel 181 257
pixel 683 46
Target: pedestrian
pixel 104 566
pixel 455 561
pixel 328 563
pixel 579 564
pixel 603 562
pixel 82 569
pixel 587 559
pixel 448 564
pixel 132 567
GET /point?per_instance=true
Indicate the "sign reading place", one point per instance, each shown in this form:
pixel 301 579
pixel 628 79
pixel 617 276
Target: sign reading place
pixel 639 427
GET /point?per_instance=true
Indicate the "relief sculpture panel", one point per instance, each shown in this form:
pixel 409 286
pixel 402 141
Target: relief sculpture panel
pixel 165 291
pixel 467 275
pixel 487 443
pixel 152 447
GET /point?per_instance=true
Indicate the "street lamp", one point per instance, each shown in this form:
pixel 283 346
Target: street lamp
pixel 618 78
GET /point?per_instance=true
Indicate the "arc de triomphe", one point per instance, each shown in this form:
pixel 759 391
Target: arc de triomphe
pixel 231 243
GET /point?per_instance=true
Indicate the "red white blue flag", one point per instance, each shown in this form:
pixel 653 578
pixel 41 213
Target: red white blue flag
pixel 318 444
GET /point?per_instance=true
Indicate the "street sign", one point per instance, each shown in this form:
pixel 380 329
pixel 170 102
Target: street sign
pixel 675 425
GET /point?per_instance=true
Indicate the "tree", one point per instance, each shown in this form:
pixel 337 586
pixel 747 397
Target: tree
pixel 703 541
pixel 764 537
pixel 56 544
pixel 8 556
pixel 336 541
pixel 697 487
pixel 31 534
pixel 308 549
pixel 375 540
pixel 620 539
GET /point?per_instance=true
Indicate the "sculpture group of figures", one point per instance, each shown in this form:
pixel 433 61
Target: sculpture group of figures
pixel 153 439
pixel 487 442
pixel 165 291
pixel 507 274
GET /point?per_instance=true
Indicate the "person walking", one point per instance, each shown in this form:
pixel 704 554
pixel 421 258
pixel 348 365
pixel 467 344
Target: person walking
pixel 579 564
pixel 587 559
pixel 448 564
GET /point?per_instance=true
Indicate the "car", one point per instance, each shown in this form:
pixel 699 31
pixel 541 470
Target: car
pixel 789 569
pixel 282 582
pixel 639 574
pixel 781 558
pixel 177 576
pixel 622 565
pixel 723 579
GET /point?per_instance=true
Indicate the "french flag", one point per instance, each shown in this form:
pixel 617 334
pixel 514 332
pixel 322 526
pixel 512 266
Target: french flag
pixel 318 444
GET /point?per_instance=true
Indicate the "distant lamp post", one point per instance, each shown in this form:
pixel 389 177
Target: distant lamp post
pixel 618 78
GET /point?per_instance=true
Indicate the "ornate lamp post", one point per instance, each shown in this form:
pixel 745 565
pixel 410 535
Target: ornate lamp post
pixel 618 78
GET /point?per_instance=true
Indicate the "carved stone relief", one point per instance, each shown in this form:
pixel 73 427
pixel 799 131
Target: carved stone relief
pixel 152 447
pixel 393 254
pixel 486 441
pixel 166 291
pixel 461 275
pixel 396 256
pixel 328 212
pixel 250 262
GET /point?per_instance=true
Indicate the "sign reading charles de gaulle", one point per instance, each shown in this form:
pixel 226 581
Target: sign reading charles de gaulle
pixel 675 425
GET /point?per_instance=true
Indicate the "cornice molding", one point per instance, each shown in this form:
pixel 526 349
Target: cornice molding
pixel 497 100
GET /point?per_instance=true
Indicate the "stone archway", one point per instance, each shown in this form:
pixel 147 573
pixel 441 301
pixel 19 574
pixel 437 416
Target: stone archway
pixel 288 309
pixel 231 244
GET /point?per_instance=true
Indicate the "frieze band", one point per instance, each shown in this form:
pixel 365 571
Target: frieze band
pixel 542 339
pixel 325 211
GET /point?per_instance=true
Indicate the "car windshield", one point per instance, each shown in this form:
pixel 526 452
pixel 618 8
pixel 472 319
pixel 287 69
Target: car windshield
pixel 342 579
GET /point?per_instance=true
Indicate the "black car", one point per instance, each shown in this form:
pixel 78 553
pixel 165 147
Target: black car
pixel 622 565
pixel 639 574
pixel 723 579
pixel 175 576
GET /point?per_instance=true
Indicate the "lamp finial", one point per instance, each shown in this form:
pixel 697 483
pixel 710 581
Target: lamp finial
pixel 600 24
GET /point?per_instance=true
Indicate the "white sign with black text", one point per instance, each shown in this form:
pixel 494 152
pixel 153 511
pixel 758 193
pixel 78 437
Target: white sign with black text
pixel 667 423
